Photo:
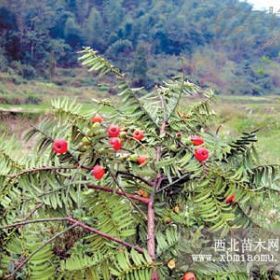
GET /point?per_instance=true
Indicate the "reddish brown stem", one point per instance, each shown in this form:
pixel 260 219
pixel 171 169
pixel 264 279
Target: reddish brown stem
pixel 27 222
pixel 105 235
pixel 127 174
pixel 155 275
pixel 151 230
pixel 77 223
pixel 25 260
pixel 151 242
pixel 121 193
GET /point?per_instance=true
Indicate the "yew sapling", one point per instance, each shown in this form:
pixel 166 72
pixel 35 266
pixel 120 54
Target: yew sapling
pixel 126 191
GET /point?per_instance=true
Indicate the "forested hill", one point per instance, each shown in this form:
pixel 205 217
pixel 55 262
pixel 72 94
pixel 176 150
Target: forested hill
pixel 218 43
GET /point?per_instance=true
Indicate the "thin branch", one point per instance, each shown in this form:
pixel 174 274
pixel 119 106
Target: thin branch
pixel 138 142
pixel 45 193
pixel 120 193
pixel 151 229
pixel 115 179
pixel 105 235
pixel 38 206
pixel 39 169
pixel 79 224
pixel 26 222
pixel 26 260
pixel 151 237
pixel 13 162
pixel 218 129
pixel 118 74
pixel 127 174
pixel 173 183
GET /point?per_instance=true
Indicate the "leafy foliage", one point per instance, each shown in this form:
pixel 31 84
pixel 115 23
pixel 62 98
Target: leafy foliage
pixel 60 223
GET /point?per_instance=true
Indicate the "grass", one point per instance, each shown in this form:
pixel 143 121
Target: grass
pixel 41 92
pixel 249 113
pixel 235 113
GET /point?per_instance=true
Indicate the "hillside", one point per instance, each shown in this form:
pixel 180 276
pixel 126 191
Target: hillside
pixel 222 44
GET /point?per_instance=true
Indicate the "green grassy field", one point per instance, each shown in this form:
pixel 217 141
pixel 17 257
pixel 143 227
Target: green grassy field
pixel 234 113
pixel 238 114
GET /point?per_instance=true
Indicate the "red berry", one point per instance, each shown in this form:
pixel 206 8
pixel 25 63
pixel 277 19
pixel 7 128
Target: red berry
pixel 60 146
pixel 98 172
pixel 141 160
pixel 138 135
pixel 116 143
pixel 189 276
pixel 201 154
pixel 113 130
pixel 197 140
pixel 97 119
pixel 230 199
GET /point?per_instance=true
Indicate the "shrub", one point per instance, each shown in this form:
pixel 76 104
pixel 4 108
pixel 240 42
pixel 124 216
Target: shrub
pixel 3 61
pixel 28 72
pixel 31 99
pixel 127 192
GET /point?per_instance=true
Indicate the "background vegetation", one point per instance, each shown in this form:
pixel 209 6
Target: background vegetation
pixel 185 201
pixel 222 44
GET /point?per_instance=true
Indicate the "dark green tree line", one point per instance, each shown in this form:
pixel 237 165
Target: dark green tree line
pixel 228 33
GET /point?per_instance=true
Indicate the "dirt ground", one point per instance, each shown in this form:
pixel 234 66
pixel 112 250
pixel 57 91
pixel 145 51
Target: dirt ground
pixel 15 125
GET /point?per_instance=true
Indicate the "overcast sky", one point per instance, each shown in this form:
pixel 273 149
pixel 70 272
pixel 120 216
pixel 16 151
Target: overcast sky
pixel 264 4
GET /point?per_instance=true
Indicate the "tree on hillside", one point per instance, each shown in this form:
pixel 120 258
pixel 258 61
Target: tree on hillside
pixel 94 30
pixel 73 33
pixel 140 67
pixel 128 191
pixel 180 28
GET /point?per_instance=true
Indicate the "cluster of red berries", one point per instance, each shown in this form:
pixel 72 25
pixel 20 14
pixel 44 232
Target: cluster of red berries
pixel 60 146
pixel 201 153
